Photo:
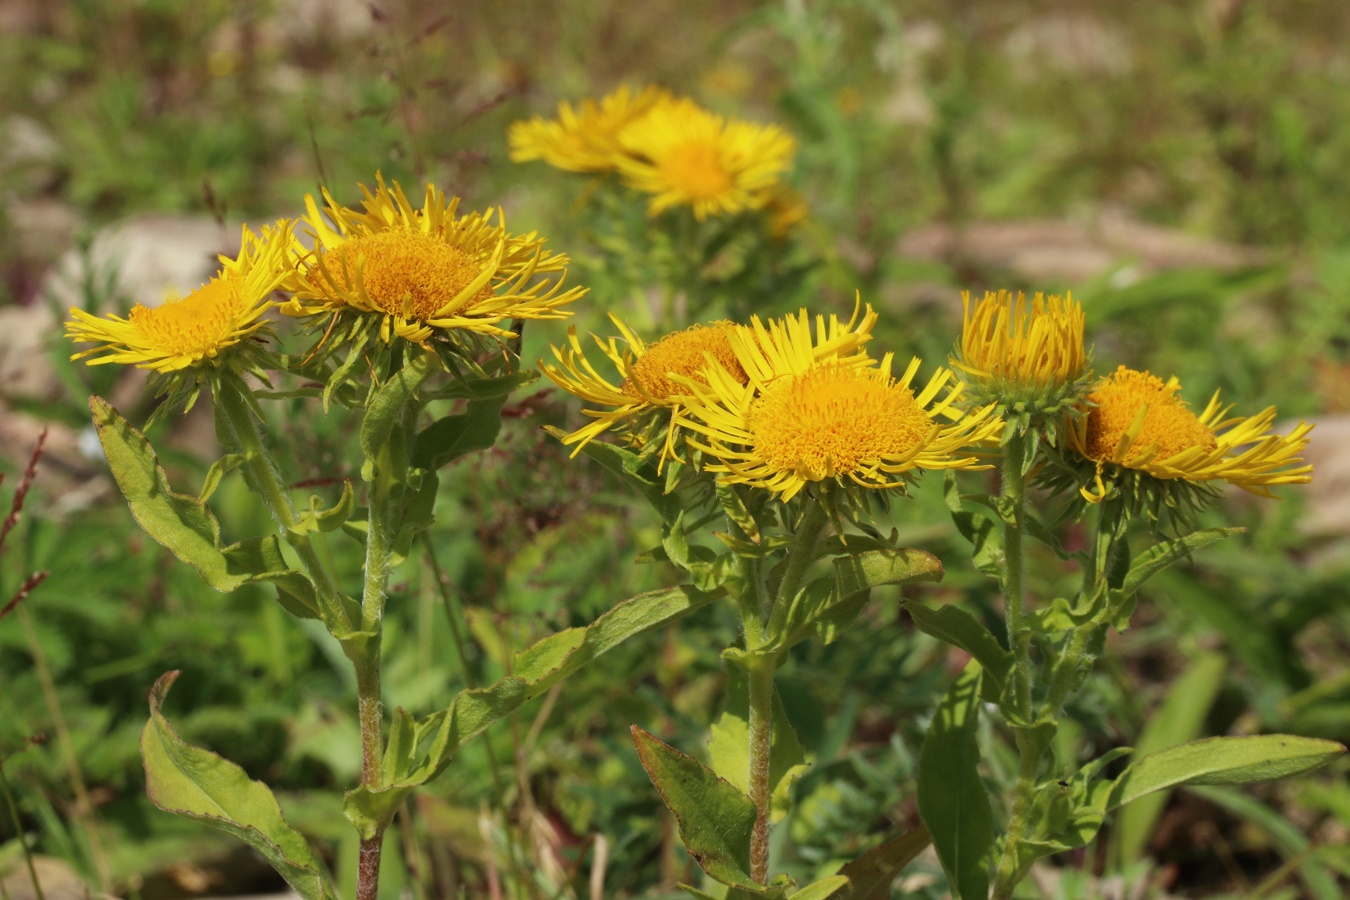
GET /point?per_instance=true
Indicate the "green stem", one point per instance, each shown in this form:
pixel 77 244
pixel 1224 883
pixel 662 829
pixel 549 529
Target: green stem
pixel 267 482
pixel 18 833
pixel 761 744
pixel 1014 590
pixel 1028 767
pixel 1029 750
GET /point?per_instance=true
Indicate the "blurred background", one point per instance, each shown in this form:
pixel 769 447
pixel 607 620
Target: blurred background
pixel 1179 166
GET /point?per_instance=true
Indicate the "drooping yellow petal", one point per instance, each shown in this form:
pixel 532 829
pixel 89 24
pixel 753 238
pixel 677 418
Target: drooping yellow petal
pixel 202 328
pixel 1138 421
pixel 423 270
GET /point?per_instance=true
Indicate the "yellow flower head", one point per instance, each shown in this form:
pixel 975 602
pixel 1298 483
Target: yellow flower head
pixel 645 372
pixel 659 377
pixel 200 329
pixel 1138 422
pixel 836 421
pixel 687 156
pixel 423 270
pixel 584 139
pixel 1027 357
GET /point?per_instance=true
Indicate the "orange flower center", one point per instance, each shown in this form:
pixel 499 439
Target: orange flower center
pixel 835 420
pixel 695 167
pixel 403 272
pixel 683 353
pixel 198 325
pixel 1169 424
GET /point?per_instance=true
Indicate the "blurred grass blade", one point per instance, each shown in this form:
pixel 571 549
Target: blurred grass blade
pixel 1180 718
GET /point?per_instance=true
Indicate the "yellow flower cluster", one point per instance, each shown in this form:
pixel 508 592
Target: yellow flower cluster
pixel 411 274
pixel 671 148
pixel 777 405
pixel 1031 357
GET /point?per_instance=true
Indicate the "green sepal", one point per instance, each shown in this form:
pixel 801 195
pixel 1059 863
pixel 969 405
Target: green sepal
pixel 414 757
pixel 186 527
pixel 1223 760
pixel 316 518
pixel 960 629
pixel 952 798
pixel 870 875
pixel 729 745
pixel 716 819
pixel 198 784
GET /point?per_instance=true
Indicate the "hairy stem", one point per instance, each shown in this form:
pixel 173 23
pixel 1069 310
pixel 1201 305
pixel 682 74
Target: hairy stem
pixel 761 743
pixel 1029 751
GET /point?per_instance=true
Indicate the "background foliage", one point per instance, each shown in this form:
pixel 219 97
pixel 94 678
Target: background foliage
pixel 1038 126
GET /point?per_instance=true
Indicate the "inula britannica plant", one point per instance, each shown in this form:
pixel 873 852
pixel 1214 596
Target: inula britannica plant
pixel 771 448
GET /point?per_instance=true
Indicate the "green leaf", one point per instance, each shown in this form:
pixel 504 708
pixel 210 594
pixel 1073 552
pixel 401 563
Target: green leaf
pixel 319 519
pixel 185 526
pixel 821 890
pixel 716 819
pixel 870 875
pixel 227 463
pixel 959 628
pixel 827 605
pixel 1164 553
pixel 729 744
pixel 952 799
pixel 734 506
pixel 198 784
pixel 416 758
pixel 1223 760
pixel 389 405
pixel 449 438
pixel 1180 718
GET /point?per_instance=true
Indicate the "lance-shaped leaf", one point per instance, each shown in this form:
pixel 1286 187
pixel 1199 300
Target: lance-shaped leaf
pixel 716 819
pixel 449 438
pixel 387 408
pixel 952 799
pixel 962 630
pixel 198 784
pixel 870 875
pixel 827 605
pixel 185 526
pixel 1164 553
pixel 1223 760
pixel 729 744
pixel 823 889
pixel 420 750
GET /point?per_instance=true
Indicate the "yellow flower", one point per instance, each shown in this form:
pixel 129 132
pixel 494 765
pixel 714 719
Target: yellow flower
pixel 658 377
pixel 811 410
pixel 423 270
pixel 1027 357
pixel 201 328
pixel 686 156
pixel 584 139
pixel 1138 422
pixel 838 422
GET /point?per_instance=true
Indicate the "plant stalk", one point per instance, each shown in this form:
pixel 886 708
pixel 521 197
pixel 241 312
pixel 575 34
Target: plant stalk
pixel 761 744
pixel 1029 750
pixel 266 481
